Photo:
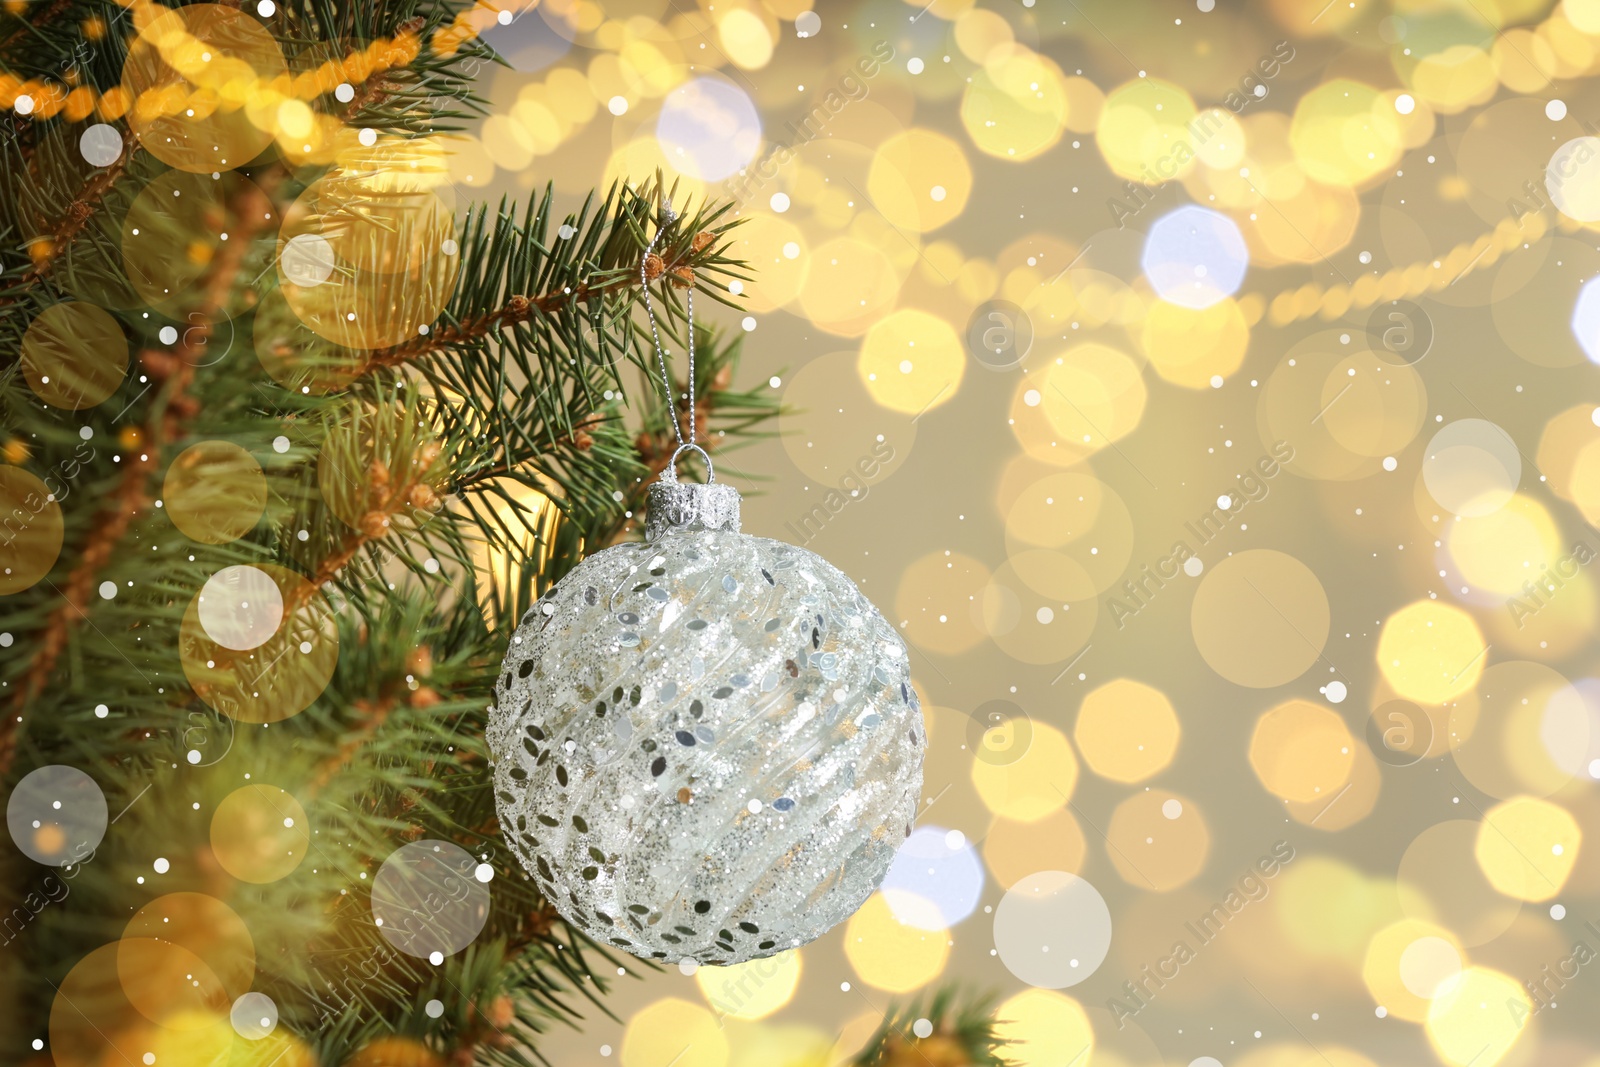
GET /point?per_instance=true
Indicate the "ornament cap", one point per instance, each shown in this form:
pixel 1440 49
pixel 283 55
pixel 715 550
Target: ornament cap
pixel 675 505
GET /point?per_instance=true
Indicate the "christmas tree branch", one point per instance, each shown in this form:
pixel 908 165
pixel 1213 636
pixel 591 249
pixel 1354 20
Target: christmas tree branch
pixel 42 17
pixel 174 371
pixel 46 250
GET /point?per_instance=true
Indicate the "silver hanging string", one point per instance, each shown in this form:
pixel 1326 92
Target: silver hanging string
pixel 669 217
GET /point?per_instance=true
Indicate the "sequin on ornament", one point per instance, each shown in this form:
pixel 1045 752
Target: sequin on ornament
pixel 661 688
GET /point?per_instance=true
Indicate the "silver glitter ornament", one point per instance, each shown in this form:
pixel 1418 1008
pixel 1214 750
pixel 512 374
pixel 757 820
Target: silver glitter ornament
pixel 706 745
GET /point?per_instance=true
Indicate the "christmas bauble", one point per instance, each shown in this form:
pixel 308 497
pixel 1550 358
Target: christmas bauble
pixel 706 745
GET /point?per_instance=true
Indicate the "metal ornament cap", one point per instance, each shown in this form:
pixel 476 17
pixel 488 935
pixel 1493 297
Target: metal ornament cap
pixel 675 505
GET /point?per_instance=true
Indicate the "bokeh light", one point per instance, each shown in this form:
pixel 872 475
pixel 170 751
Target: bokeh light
pixel 1195 257
pixel 674 1033
pixel 936 879
pixel 1302 752
pixel 1126 730
pixel 427 899
pixel 57 815
pixel 752 990
pixel 74 355
pixel 1042 1028
pixel 214 492
pixel 260 833
pixel 1260 618
pixel 708 128
pixel 1430 652
pixel 1036 783
pixel 1472 467
pixel 890 955
pixel 35 529
pixel 1052 929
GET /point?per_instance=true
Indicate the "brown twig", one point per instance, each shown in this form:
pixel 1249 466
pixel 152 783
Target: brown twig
pixel 47 249
pixel 169 417
pixel 522 308
pixel 43 18
pixel 373 714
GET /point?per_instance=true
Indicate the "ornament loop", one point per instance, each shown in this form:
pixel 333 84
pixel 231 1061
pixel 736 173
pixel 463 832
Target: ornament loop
pixel 670 474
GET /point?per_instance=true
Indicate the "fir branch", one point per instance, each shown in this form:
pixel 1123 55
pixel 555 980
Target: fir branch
pixel 41 18
pixel 169 416
pixel 963 1033
pixel 561 297
pixel 47 250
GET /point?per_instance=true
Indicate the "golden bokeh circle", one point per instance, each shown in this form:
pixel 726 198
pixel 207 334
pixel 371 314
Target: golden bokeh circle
pixel 1430 652
pixel 1527 847
pixel 911 361
pixel 849 286
pixel 890 955
pixel 1564 438
pixel 1439 881
pixel 1506 548
pixel 1382 973
pixel 260 833
pixel 368 254
pixel 93 1023
pixel 192 74
pixel 667 1033
pixel 1043 1028
pixel 1345 133
pixel 1073 406
pixel 74 355
pixel 1158 840
pixel 1012 850
pixel 1292 407
pixel 1260 618
pixel 1144 133
pixel 1189 346
pixel 207 928
pixel 1034 786
pixel 34 528
pixel 1354 801
pixel 833 430
pixel 1302 752
pixel 1373 407
pixel 1069 536
pixel 937 605
pixel 920 180
pixel 276 679
pixel 1127 730
pixel 1016 105
pixel 1480 1019
pixel 183 237
pixel 751 990
pixel 215 492
pixel 776 250
pixel 1034 626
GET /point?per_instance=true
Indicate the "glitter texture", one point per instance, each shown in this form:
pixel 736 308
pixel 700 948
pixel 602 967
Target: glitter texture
pixel 706 746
